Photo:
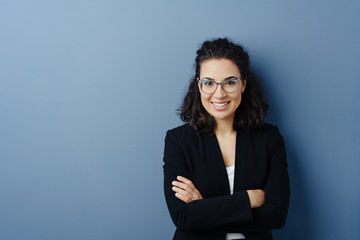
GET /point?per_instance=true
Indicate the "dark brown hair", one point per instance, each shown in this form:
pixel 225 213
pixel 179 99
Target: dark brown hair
pixel 251 112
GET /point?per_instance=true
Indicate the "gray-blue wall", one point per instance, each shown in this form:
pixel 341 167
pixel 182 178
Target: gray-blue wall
pixel 89 88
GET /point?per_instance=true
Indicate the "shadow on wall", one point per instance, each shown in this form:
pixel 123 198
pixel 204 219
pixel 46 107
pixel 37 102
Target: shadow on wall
pixel 299 224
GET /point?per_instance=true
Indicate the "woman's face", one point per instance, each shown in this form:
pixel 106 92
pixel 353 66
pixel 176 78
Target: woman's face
pixel 220 104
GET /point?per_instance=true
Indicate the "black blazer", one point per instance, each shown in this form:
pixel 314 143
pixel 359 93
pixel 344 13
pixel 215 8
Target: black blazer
pixel 260 163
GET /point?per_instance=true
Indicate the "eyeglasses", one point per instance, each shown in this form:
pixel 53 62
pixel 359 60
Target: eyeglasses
pixel 229 85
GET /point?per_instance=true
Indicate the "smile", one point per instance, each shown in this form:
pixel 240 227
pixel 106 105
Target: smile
pixel 220 104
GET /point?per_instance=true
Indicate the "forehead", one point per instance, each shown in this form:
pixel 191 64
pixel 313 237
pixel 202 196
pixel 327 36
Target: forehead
pixel 218 68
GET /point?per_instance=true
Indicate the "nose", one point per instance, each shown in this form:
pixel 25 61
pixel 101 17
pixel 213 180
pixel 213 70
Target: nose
pixel 219 93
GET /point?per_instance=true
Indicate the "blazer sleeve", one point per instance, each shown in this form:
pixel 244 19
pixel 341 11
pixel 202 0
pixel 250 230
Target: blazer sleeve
pixel 200 215
pixel 273 213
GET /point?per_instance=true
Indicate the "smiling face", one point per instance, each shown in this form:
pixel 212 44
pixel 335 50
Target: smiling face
pixel 220 104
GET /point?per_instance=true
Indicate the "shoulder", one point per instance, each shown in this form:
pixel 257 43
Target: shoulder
pixel 182 133
pixel 266 134
pixel 267 130
pixel 182 129
pixel 271 137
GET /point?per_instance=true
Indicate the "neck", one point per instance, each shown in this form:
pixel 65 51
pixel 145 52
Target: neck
pixel 224 126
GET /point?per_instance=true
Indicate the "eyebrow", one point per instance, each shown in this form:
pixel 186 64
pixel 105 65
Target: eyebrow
pixel 208 78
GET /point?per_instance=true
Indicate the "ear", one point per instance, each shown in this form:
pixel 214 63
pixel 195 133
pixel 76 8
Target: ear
pixel 243 85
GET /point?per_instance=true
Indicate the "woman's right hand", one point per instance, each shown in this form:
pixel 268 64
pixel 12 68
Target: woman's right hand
pixel 257 197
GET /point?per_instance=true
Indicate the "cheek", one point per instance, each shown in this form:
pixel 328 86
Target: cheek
pixel 237 100
pixel 204 100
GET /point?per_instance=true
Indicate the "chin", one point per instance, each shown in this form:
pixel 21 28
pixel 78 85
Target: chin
pixel 222 116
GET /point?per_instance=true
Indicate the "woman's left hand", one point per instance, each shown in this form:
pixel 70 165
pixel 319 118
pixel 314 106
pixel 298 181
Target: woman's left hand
pixel 185 190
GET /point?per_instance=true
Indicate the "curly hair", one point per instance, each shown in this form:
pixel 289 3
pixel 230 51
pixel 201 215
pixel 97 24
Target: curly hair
pixel 250 114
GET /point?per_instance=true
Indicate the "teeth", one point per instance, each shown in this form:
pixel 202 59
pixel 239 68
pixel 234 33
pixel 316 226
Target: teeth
pixel 220 105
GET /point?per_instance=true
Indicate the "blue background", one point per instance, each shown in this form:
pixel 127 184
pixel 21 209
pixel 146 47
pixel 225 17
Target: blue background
pixel 89 88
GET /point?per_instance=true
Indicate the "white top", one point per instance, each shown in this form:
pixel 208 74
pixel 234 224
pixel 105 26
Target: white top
pixel 231 173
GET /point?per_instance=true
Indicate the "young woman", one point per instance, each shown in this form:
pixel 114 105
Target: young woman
pixel 225 170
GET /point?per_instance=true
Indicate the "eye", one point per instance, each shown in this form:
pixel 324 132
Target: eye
pixel 230 82
pixel 208 83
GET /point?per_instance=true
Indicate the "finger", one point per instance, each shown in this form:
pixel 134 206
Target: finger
pixel 185 180
pixel 183 198
pixel 185 195
pixel 182 192
pixel 183 186
pixel 190 195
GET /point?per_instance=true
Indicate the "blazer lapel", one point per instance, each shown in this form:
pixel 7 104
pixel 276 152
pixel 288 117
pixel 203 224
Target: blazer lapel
pixel 220 173
pixel 245 167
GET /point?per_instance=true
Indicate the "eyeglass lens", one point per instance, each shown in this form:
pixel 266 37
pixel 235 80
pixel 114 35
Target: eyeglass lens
pixel 229 86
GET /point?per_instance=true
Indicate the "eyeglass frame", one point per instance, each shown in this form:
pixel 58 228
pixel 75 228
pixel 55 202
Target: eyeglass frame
pixel 220 83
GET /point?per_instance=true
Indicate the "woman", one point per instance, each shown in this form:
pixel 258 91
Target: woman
pixel 225 170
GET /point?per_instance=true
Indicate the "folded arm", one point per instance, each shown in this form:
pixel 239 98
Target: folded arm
pixel 239 212
pixel 203 214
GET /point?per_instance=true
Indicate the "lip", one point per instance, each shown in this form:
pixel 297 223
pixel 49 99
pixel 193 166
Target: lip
pixel 220 105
